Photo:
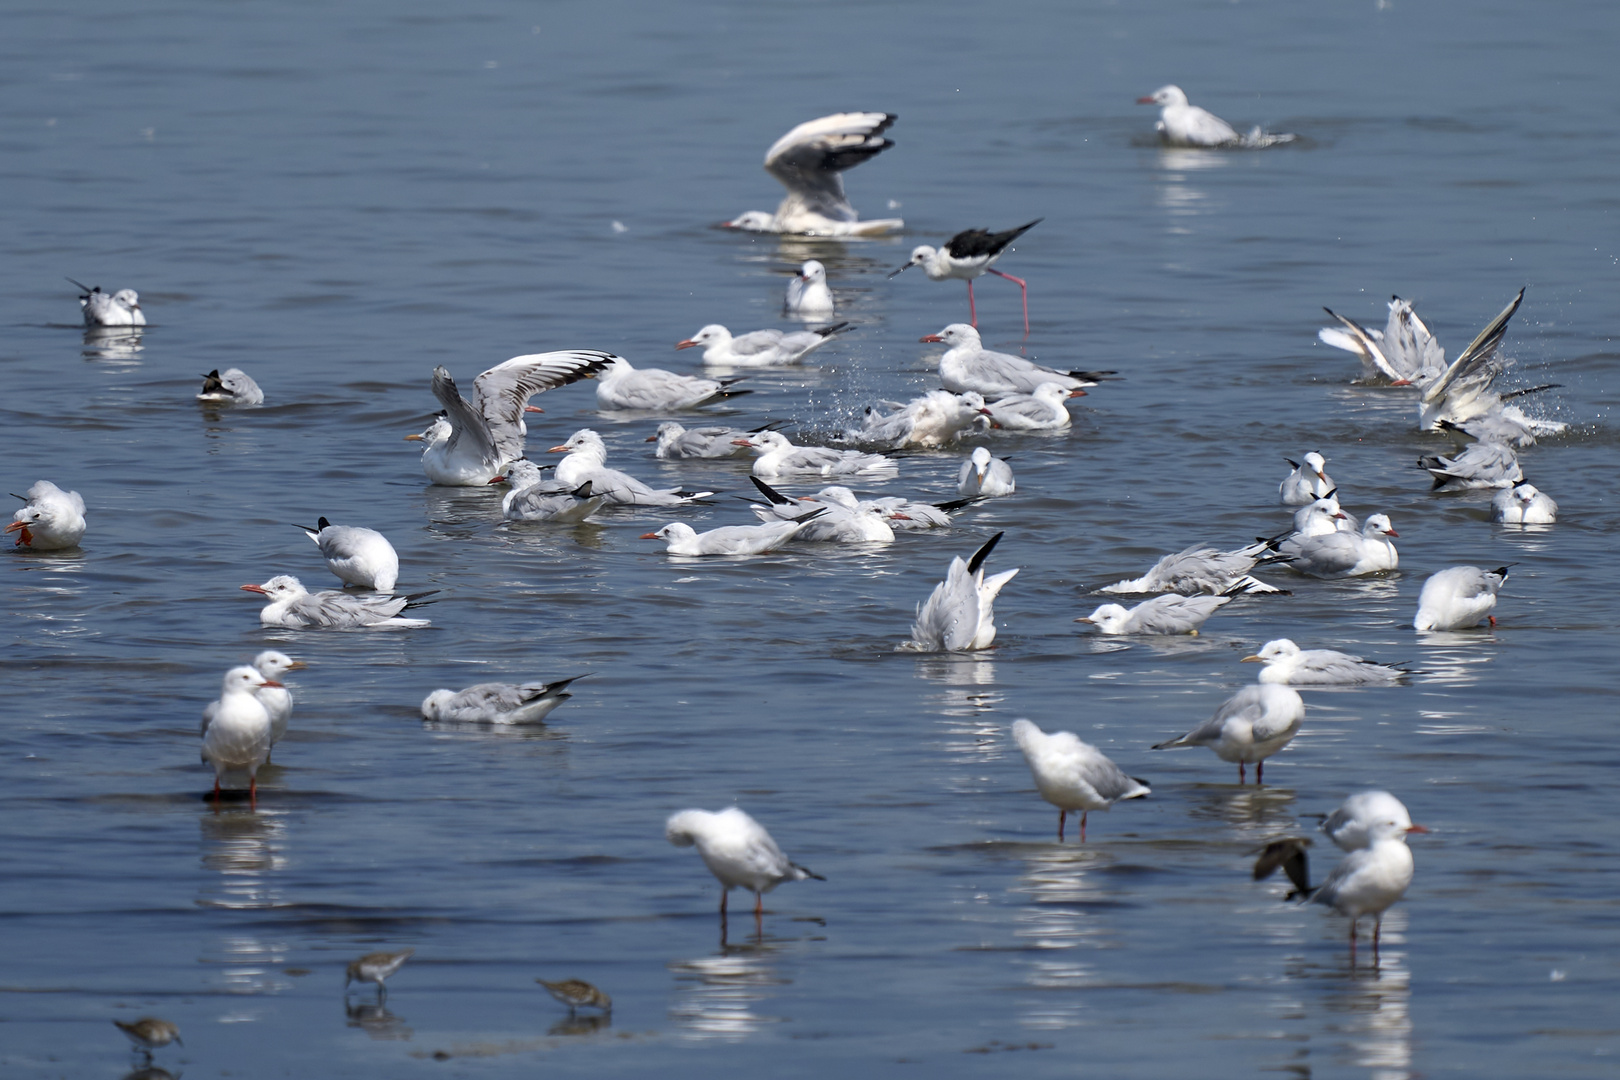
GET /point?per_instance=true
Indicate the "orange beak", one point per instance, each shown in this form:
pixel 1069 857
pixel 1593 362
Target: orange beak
pixel 255 588
pixel 650 438
pixel 413 438
pixel 932 339
pixel 1144 101
pixel 1417 828
pixel 741 442
pixel 533 408
pixel 297 665
pixel 497 480
pixel 1391 532
pixel 272 682
pixel 16 526
pixel 687 344
pixel 651 536
pixel 558 450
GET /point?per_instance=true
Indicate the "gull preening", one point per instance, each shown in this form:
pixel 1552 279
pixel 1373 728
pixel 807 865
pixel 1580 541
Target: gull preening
pixel 1480 465
pixel 535 499
pixel 497 703
pixel 1287 663
pixel 1074 775
pixel 374 968
pixel 779 457
pixel 959 615
pixel 676 441
pixel 1198 570
pixel 738 852
pixel 622 387
pixel 844 520
pixel 934 419
pixel 1185 125
pixel 52 520
pixel 1249 727
pixel 986 476
pixel 1458 598
pixel 1168 614
pixel 968 366
pixel 808 295
pixel 968 255
pixel 586 461
pixel 356 555
pixel 471 442
pixel 681 539
pixel 122 308
pixel 1042 410
pixel 757 348
pixel 1307 483
pixel 236 729
pixel 1404 352
pixel 1377 872
pixel 810 161
pixel 1344 554
pixel 294 607
pixel 272 694
pixel 233 386
pixel 1524 504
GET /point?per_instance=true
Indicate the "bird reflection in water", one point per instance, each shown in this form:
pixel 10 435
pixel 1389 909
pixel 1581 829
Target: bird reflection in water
pixel 1067 898
pixel 246 850
pixel 575 1024
pixel 152 1072
pixel 374 1018
pixel 1257 814
pixel 716 996
pixel 117 344
pixel 1374 1005
pixel 1177 197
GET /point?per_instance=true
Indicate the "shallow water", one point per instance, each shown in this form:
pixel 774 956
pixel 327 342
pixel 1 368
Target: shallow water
pixel 338 201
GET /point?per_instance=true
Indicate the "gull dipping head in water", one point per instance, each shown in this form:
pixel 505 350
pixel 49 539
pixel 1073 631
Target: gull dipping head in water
pixel 737 850
pixel 52 520
pixel 1249 727
pixel 1073 775
pixel 968 255
pixel 233 386
pixel 1459 597
pixel 960 615
pixel 809 162
pixel 356 555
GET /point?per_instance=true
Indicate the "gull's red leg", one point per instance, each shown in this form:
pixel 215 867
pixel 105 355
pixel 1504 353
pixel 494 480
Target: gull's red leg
pixel 1083 826
pixel 1063 816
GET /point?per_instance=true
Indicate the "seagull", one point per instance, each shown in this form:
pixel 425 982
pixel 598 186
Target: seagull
pixel 122 308
pixel 578 994
pixel 1371 879
pixel 681 539
pixel 807 293
pixel 1480 465
pixel 1350 826
pixel 357 556
pixel 625 388
pixel 1201 570
pixel 809 162
pixel 968 365
pixel 1042 410
pixel 778 457
pixel 497 703
pixel 1524 504
pixel 1344 554
pixel 1073 775
pixel 1321 518
pixel 757 348
pixel 275 697
pixel 844 520
pixel 149 1033
pixel 985 476
pixel 1405 353
pixel 375 967
pixel 1307 482
pixel 586 460
pixel 52 520
pixel 737 850
pixel 1286 663
pixel 232 387
pixel 1250 726
pixel 1168 614
pixel 296 608
pixel 959 615
pixel 236 729
pixel 934 419
pixel 534 499
pixel 968 255
pixel 472 441
pixel 1458 598
pixel 676 441
pixel 896 512
pixel 1464 393
pixel 1181 124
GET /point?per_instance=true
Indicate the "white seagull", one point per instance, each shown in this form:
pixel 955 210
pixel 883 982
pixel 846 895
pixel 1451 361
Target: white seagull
pixel 122 308
pixel 276 698
pixel 356 555
pixel 959 615
pixel 681 539
pixel 1371 879
pixel 586 460
pixel 778 457
pixel 985 476
pixel 968 365
pixel 1405 353
pixel 296 608
pixel 1480 465
pixel 809 161
pixel 1181 124
pixel 1350 826
pixel 497 703
pixel 233 386
pixel 1043 410
pixel 534 499
pixel 625 388
pixel 1458 598
pixel 1322 517
pixel 1307 483
pixel 934 419
pixel 807 293
pixel 1168 614
pixel 236 729
pixel 845 520
pixel 1250 726
pixel 737 850
pixel 1074 775
pixel 676 441
pixel 968 255
pixel 757 348
pixel 52 520
pixel 1201 570
pixel 1344 554
pixel 1286 663
pixel 1524 504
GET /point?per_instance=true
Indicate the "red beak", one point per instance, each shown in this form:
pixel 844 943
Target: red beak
pixel 558 450
pixel 1144 101
pixel 1417 828
pixel 651 536
pixel 1391 532
pixel 687 344
pixel 498 480
pixel 741 442
pixel 533 408
pixel 1077 392
pixel 931 338
pixel 272 682
pixel 255 588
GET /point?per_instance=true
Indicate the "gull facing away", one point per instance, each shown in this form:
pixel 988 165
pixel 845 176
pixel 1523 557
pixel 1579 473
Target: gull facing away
pixel 1250 726
pixel 374 968
pixel 1524 504
pixel 1480 465
pixel 1351 825
pixel 534 499
pixel 1168 614
pixel 622 387
pixel 985 476
pixel 1182 124
pixel 356 555
pixel 843 520
pixel 934 419
pixel 959 615
pixel 294 607
pixel 233 386
pixel 586 461
pixel 497 703
pixel 968 366
pixel 472 441
pixel 1344 554
pixel 757 348
pixel 808 295
pixel 150 1032
pixel 1043 410
pixel 738 852
pixel 236 729
pixel 1199 570
pixel 810 161
pixel 275 697
pixel 122 308
pixel 1073 775
pixel 778 457
pixel 578 994
pixel 1459 598
pixel 52 520
pixel 968 255
pixel 681 539
pixel 1307 483
pixel 1287 663
pixel 1373 877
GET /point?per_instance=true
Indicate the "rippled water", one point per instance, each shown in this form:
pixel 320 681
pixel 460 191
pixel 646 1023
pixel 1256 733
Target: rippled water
pixel 337 201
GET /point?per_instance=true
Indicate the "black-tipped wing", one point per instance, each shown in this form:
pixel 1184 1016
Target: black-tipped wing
pixel 984 553
pixel 1475 360
pixel 972 243
pixel 468 428
pixel 809 159
pixel 501 392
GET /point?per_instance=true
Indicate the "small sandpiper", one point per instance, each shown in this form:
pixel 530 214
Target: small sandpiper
pixel 148 1033
pixel 578 994
pixel 375 967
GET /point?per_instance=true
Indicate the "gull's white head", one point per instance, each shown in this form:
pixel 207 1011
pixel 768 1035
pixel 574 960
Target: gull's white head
pixel 1525 493
pixel 1378 525
pixel 521 473
pixel 954 335
pixel 437 432
pixel 752 221
pixel 244 680
pixel 1107 617
pixel 1318 464
pixel 1273 651
pixel 1056 393
pixel 280 587
pixel 584 440
pixel 1392 826
pixel 273 665
pixel 812 272
pixel 1165 97
pixel 764 442
pixel 675 530
pixel 981 460
pixel 713 334
pixel 128 299
pixel 836 493
pixel 434 704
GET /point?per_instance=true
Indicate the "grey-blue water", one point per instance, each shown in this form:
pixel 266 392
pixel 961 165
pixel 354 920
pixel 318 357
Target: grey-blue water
pixel 338 198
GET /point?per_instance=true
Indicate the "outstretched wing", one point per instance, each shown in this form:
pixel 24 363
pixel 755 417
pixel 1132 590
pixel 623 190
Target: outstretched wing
pixel 809 159
pixel 467 426
pixel 501 392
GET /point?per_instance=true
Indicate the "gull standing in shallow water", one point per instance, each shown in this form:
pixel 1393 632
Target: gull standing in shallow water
pixel 968 366
pixel 1459 597
pixel 1073 775
pixel 809 161
pixel 808 295
pixel 1307 483
pixel 1373 876
pixel 296 608
pixel 236 729
pixel 626 388
pixel 985 476
pixel 497 703
pixel 53 520
pixel 758 348
pixel 1524 504
pixel 1250 726
pixel 1168 614
pixel 231 387
pixel 968 255
pixel 959 615
pixel 1183 124
pixel 356 555
pixel 1287 663
pixel 122 308
pixel 587 461
pixel 276 698
pixel 737 850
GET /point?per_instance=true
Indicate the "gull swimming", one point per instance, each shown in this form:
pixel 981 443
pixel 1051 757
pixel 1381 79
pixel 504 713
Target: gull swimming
pixel 1249 727
pixel 959 615
pixel 374 968
pixel 1287 663
pixel 985 476
pixel 1322 517
pixel 1074 775
pixel 1307 483
pixel 233 386
pixel 1042 410
pixel 356 555
pixel 272 694
pixel 738 852
pixel 1480 465
pixel 757 348
pixel 236 729
pixel 1344 554
pixel 294 607
pixel 1458 598
pixel 1201 570
pixel 1371 879
pixel 808 295
pixel 967 365
pixel 122 308
pixel 968 255
pixel 845 520
pixel 676 441
pixel 622 387
pixel 681 539
pixel 1524 504
pixel 1182 124
pixel 534 499
pixel 586 460
pixel 497 703
pixel 934 419
pixel 1168 614
pixel 779 457
pixel 52 520
pixel 894 510
pixel 810 161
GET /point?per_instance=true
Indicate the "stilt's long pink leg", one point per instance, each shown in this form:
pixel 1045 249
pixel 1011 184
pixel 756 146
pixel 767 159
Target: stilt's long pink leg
pixel 1023 288
pixel 973 312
